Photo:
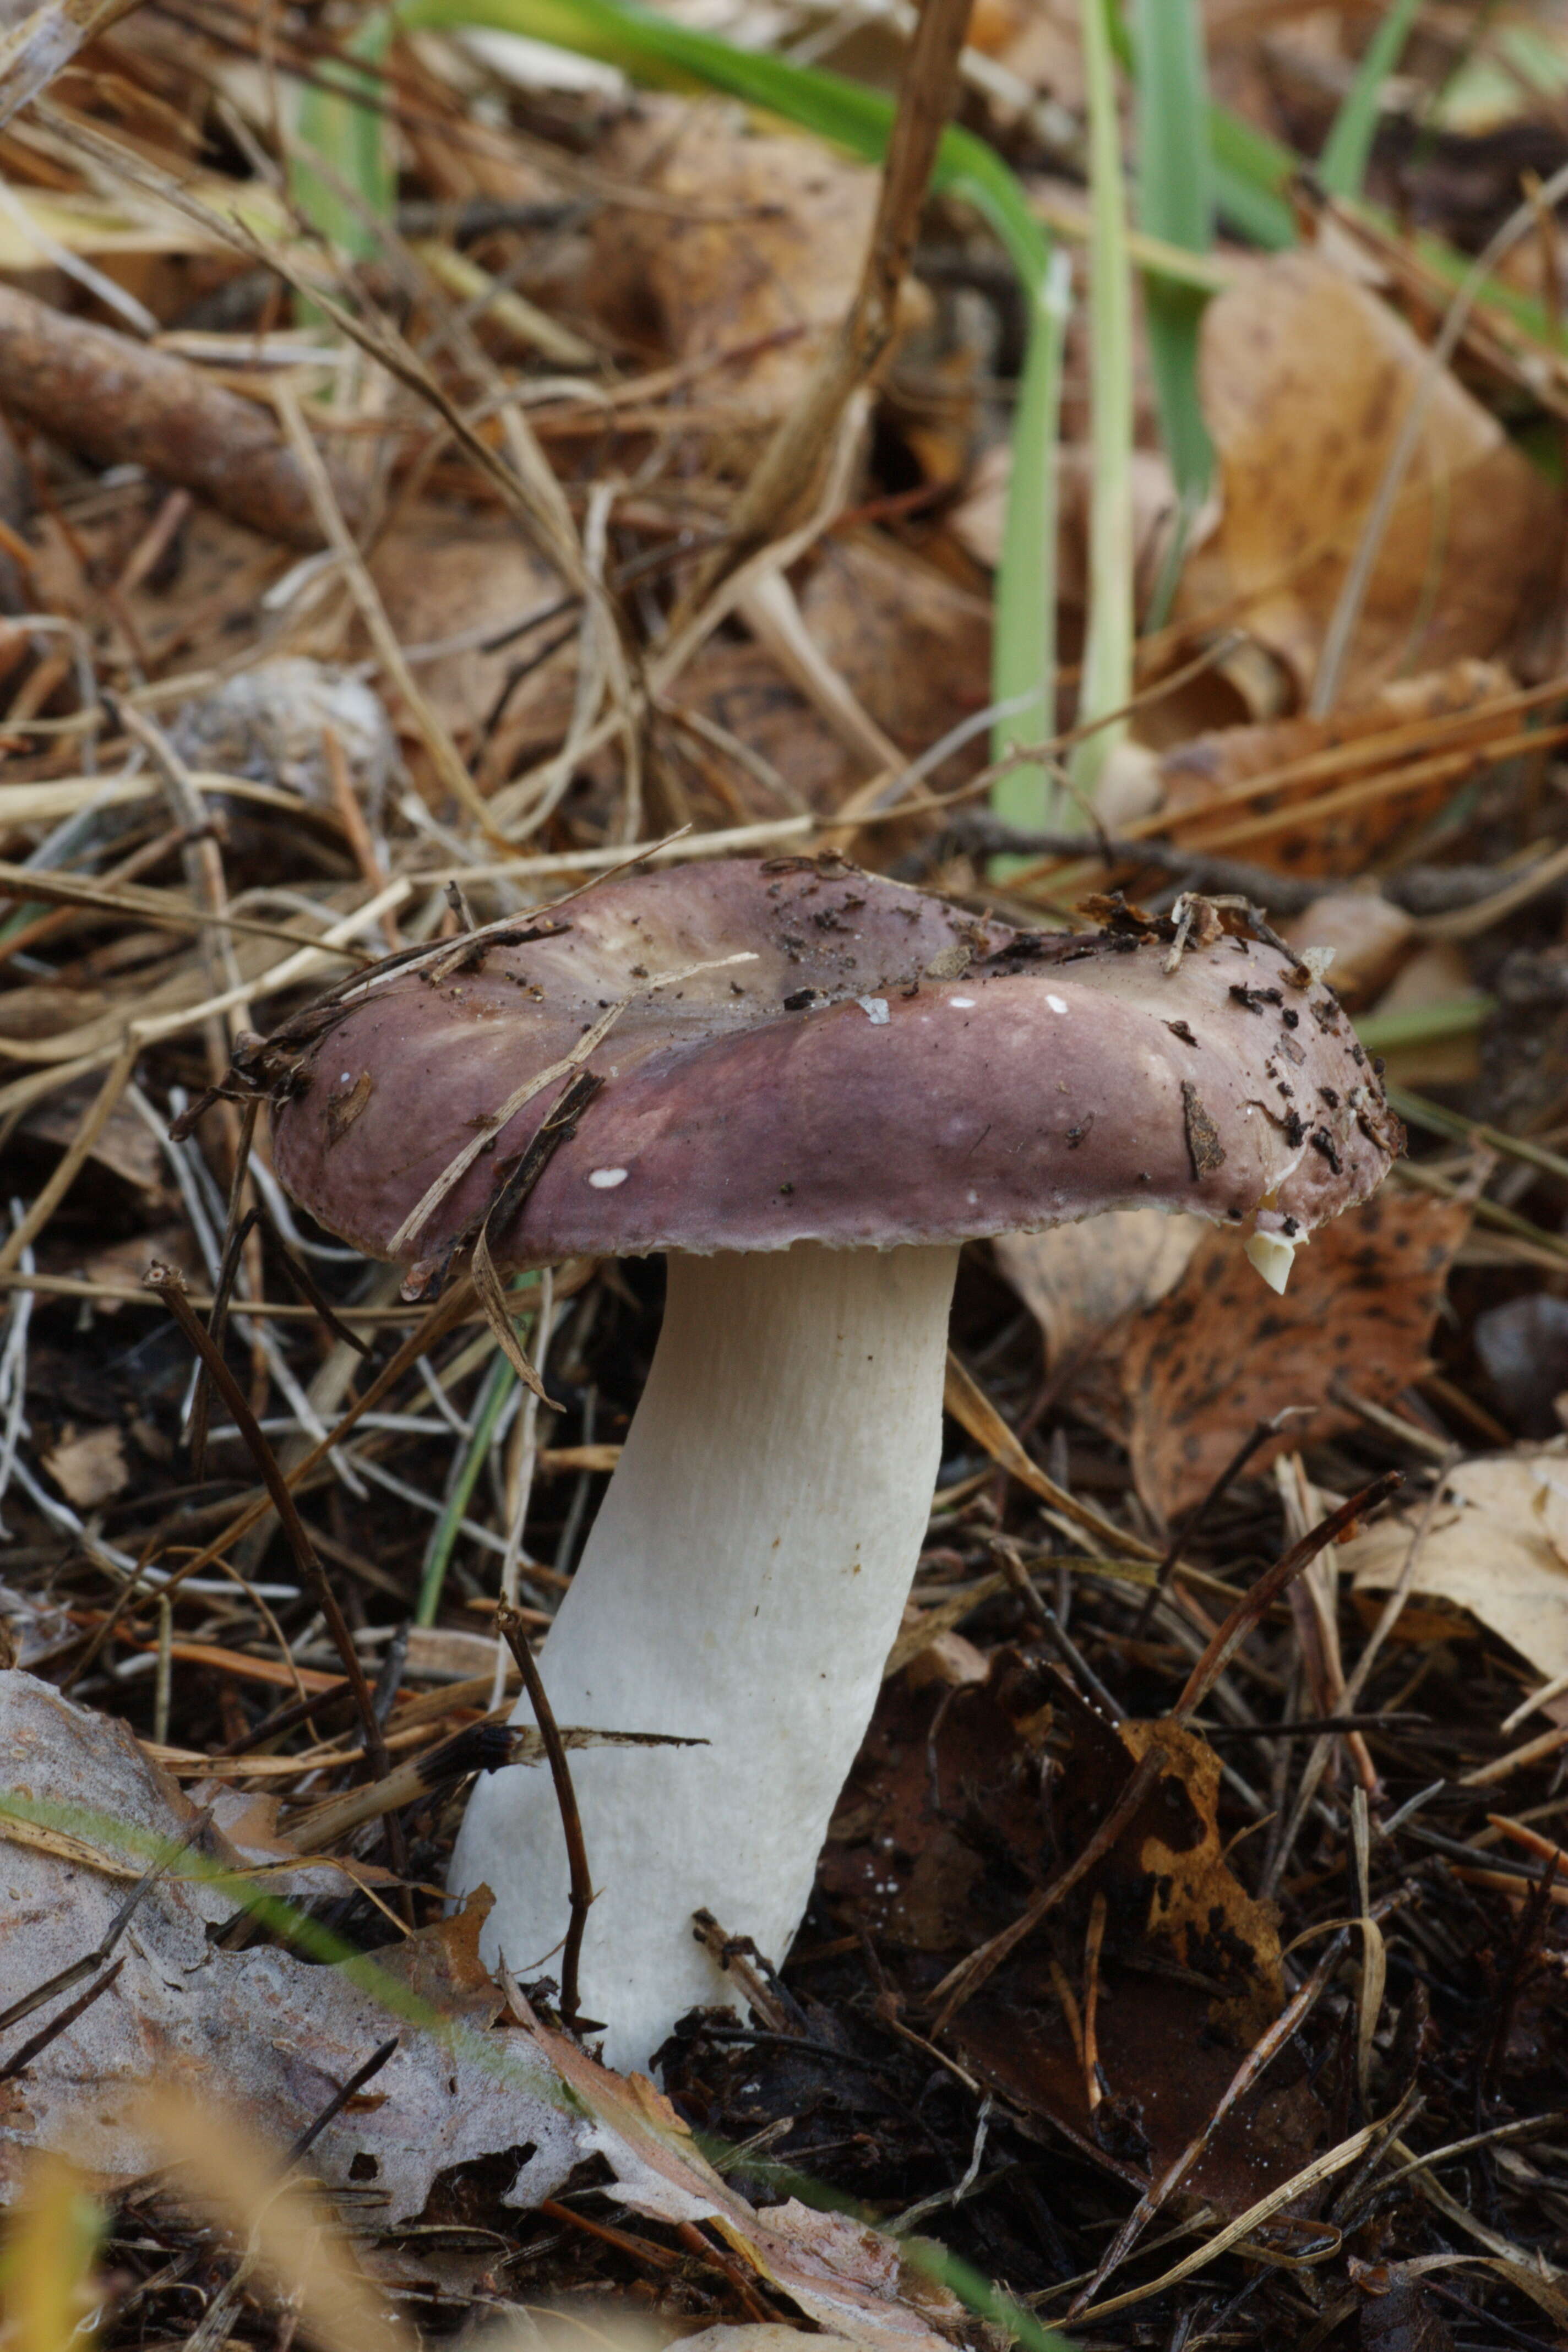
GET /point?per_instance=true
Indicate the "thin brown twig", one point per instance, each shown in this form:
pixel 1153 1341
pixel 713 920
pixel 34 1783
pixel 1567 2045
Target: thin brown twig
pixel 510 1627
pixel 437 1321
pixel 1093 1941
pixel 240 1224
pixel 167 1284
pixel 1187 1528
pixel 1262 1595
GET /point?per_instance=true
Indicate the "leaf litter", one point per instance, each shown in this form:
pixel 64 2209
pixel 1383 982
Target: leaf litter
pixel 1033 1996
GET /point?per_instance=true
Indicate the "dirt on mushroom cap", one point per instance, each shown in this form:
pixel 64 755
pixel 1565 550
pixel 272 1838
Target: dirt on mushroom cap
pixel 880 1068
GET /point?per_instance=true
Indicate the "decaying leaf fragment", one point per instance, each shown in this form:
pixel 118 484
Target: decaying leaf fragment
pixel 851 2281
pixel 1198 1913
pixel 1220 1354
pixel 282 2036
pixel 749 282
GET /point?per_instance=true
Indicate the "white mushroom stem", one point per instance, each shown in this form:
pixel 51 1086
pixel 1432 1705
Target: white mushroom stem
pixel 742 1584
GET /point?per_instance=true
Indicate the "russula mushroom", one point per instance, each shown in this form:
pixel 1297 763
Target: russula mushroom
pixel 819 1086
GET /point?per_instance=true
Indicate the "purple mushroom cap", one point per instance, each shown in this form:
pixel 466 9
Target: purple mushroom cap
pixel 880 1068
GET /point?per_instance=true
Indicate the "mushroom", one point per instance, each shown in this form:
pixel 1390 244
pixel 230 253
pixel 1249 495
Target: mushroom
pixel 816 1085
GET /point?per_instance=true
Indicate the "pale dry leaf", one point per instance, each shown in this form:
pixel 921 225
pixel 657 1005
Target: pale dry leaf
pixel 1078 1280
pixel 1307 378
pixel 88 1466
pixel 1497 1546
pixel 283 2035
pixel 30 1625
pixel 267 724
pixel 772 2337
pixel 978 520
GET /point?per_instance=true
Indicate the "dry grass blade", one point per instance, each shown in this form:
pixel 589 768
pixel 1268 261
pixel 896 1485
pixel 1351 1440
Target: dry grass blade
pixel 275 2219
pixel 444 753
pixel 559 1123
pixel 966 1401
pixel 27 883
pixel 1159 2191
pixel 93 1122
pixel 1323 2168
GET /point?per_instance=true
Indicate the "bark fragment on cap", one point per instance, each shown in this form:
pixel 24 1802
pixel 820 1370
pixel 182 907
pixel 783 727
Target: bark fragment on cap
pixel 829 1089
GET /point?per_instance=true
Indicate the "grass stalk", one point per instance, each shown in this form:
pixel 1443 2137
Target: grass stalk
pixel 1175 204
pixel 1342 166
pixel 498 1384
pixel 1023 653
pixel 1107 683
pixel 656 49
pixel 341 122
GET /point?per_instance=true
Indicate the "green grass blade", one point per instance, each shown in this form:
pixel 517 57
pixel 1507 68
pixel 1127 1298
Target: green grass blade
pixel 349 137
pixel 1024 658
pixel 500 1385
pixel 1175 176
pixel 1342 166
pixel 1108 643
pixel 1176 203
pixel 1251 172
pixel 654 49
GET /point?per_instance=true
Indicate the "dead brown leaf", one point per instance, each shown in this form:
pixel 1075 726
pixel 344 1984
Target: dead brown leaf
pixel 1198 1913
pixel 1222 1353
pixel 1214 766
pixel 1368 936
pixel 768 254
pixel 741 689
pixel 977 521
pixel 125 1144
pixel 940 1837
pixel 913 648
pixel 1307 377
pixel 849 2279
pixel 447 581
